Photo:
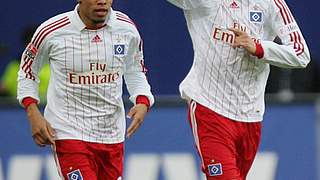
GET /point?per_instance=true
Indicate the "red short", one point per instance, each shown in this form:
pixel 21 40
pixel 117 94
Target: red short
pixel 79 160
pixel 227 148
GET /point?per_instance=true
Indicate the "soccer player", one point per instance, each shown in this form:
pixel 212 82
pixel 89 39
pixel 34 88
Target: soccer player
pixel 233 50
pixel 90 50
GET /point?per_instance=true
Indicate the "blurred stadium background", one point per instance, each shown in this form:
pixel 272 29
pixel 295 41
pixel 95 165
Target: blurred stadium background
pixel 163 148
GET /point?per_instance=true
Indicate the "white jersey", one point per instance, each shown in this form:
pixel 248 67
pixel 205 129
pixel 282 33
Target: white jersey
pixel 84 98
pixel 230 81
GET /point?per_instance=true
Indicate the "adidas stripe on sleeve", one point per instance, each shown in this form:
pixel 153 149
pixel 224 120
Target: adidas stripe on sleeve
pixel 294 52
pixel 35 54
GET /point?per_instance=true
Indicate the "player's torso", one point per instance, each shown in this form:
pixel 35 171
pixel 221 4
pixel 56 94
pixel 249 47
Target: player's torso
pixel 215 58
pixel 230 80
pixel 89 57
pixel 85 86
pixel 209 26
pixel 89 64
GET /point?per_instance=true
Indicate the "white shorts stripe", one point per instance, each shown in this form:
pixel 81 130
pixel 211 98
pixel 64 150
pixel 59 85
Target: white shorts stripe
pixel 194 126
pixel 55 156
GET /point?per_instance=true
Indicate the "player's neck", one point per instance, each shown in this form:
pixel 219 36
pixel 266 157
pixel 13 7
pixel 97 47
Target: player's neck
pixel 95 26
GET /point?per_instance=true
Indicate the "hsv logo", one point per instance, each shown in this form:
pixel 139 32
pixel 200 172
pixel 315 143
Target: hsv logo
pixel 96 39
pixel 255 16
pixel 215 169
pixel 75 175
pixel 234 4
pixel 119 49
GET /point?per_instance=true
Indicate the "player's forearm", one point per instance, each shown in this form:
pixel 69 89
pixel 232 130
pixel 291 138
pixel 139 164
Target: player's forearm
pixel 32 110
pixel 30 105
pixel 137 84
pixel 284 55
pixel 26 88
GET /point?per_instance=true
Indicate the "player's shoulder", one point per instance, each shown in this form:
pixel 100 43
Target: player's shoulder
pixel 125 22
pixel 271 3
pixel 50 27
pixel 267 7
pixel 57 20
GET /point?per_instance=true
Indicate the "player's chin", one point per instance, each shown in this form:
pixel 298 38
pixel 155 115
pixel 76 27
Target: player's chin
pixel 99 19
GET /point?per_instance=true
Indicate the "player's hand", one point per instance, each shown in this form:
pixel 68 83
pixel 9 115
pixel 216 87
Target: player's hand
pixel 137 114
pixel 42 132
pixel 242 39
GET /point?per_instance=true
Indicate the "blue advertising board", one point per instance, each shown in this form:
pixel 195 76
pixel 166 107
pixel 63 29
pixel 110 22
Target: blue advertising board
pixel 163 147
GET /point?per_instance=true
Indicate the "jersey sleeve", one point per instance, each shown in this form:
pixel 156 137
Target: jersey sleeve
pixel 31 62
pixel 191 4
pixel 135 72
pixel 293 52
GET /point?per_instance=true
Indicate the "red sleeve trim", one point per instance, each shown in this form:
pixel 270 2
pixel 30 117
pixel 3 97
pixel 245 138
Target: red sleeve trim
pixel 259 51
pixel 141 99
pixel 28 101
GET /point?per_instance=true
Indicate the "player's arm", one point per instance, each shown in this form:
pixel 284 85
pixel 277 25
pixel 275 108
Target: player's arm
pixel 243 40
pixel 42 132
pixel 294 52
pixel 137 85
pixel 28 85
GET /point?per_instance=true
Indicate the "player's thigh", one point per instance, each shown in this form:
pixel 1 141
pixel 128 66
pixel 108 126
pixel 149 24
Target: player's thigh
pixel 249 147
pixel 219 161
pixel 111 162
pixel 215 144
pixel 74 162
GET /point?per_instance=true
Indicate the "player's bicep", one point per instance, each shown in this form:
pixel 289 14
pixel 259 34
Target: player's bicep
pixel 27 65
pixel 33 56
pixel 135 61
pixel 31 61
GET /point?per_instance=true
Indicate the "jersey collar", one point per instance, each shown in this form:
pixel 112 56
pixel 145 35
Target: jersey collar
pixel 76 20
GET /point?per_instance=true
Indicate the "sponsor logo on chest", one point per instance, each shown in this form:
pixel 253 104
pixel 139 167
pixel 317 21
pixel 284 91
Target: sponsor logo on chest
pixel 223 34
pixel 98 74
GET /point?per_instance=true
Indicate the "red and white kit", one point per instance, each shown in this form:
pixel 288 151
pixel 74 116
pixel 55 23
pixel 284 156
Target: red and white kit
pixel 229 81
pixel 87 69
